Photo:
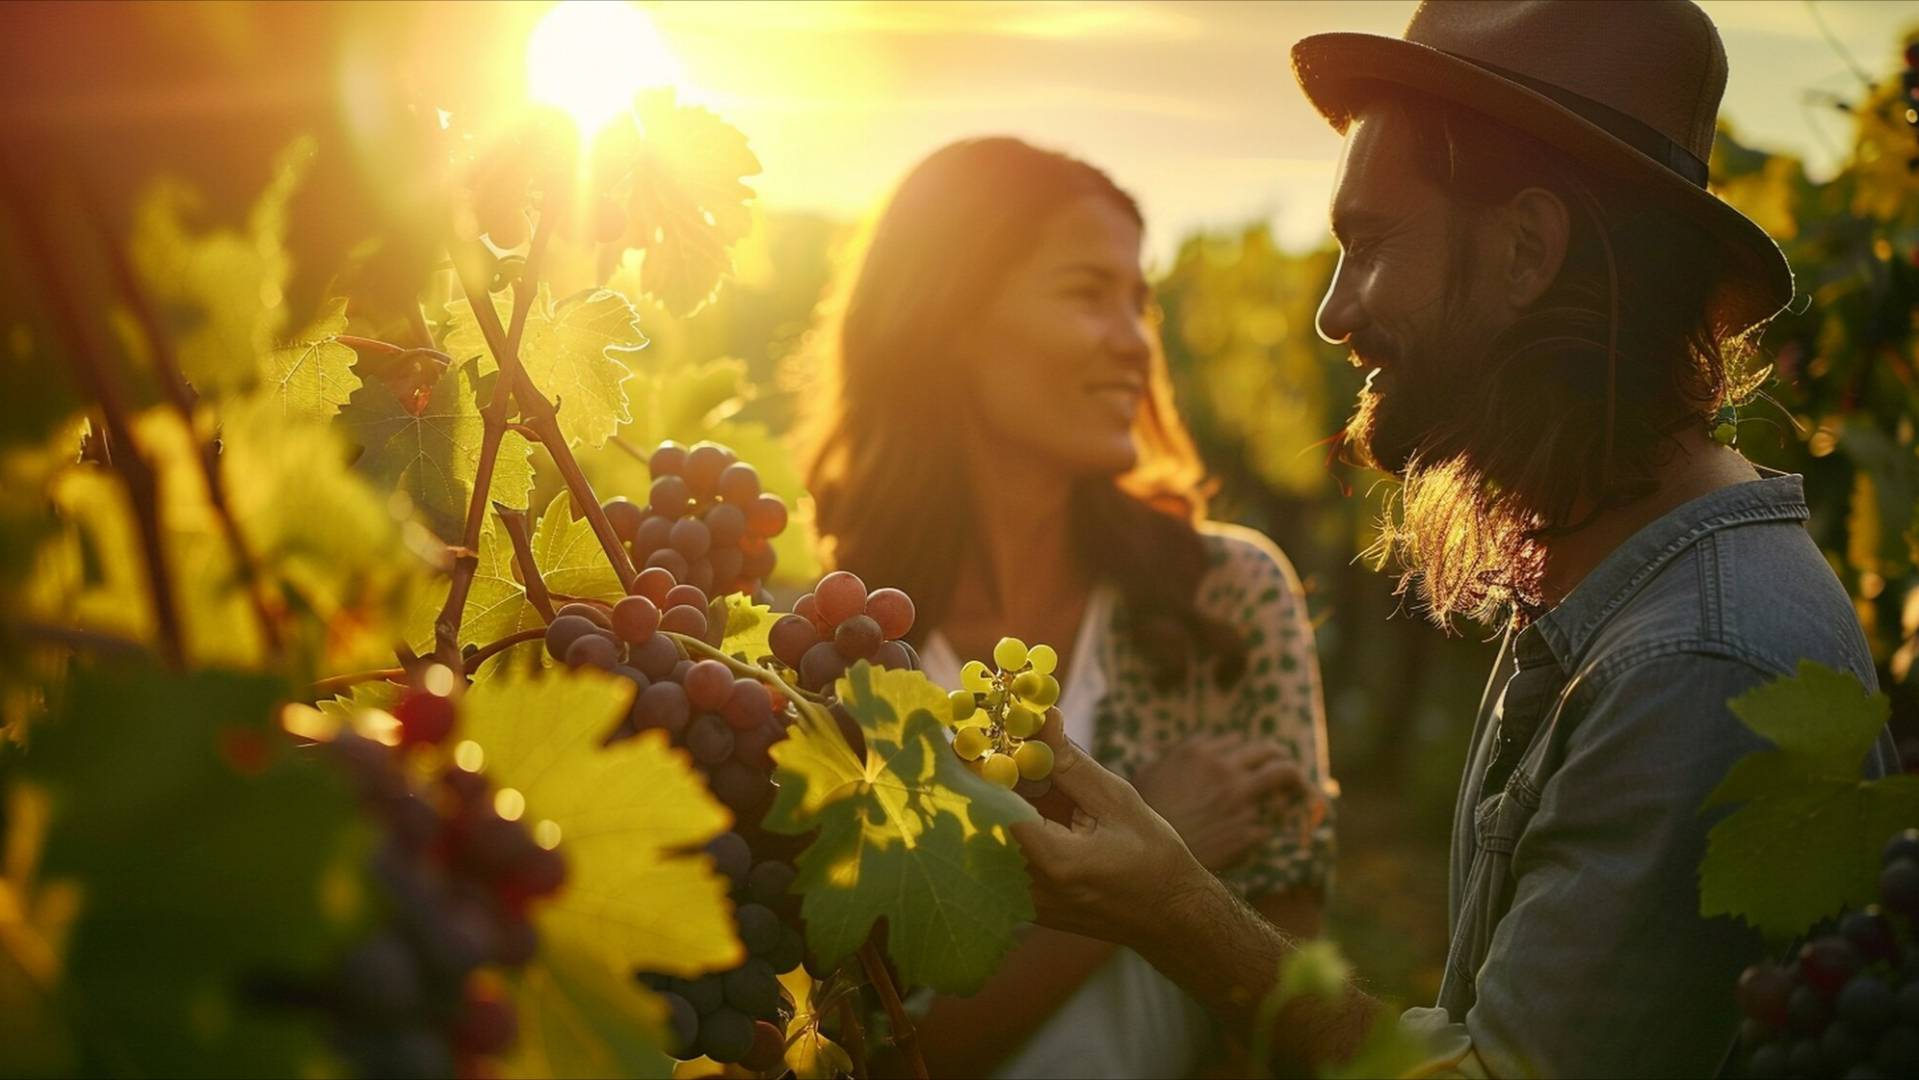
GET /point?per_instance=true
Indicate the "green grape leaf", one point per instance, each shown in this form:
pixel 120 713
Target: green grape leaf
pixel 577 353
pixel 434 456
pixel 688 203
pixel 1803 842
pixel 218 294
pixel 747 625
pixel 908 835
pixel 312 376
pixel 809 1053
pixel 625 813
pixel 576 1018
pixel 207 851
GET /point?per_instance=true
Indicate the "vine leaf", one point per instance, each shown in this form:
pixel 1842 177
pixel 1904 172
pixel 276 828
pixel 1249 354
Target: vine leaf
pixel 908 834
pixel 688 204
pixel 578 351
pixel 747 627
pixel 1804 843
pixel 158 787
pixel 576 1018
pixel 809 1053
pixel 626 813
pixel 312 376
pixel 434 455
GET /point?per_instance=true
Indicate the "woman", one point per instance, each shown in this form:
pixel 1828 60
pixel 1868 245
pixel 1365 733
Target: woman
pixel 996 436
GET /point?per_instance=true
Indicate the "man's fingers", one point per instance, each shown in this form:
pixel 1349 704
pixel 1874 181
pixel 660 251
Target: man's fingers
pixel 1279 778
pixel 1081 779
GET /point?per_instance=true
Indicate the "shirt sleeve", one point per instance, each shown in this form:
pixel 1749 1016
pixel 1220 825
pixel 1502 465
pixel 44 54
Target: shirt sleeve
pixel 1605 879
pixel 1255 590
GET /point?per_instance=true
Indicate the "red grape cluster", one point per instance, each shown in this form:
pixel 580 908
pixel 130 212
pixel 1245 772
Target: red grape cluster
pixel 739 1016
pixel 839 623
pixel 1848 1004
pixel 421 996
pixel 706 521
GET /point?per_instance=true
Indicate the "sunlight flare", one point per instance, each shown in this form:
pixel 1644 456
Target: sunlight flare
pixel 589 59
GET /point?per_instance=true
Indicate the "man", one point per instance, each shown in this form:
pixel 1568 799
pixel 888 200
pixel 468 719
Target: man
pixel 1554 311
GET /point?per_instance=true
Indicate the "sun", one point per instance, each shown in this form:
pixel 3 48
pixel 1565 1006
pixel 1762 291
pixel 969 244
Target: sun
pixel 590 58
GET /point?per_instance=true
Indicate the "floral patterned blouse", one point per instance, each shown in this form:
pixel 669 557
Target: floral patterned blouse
pixel 1251 587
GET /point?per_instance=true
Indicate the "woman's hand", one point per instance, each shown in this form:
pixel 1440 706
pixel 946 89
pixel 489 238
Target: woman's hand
pixel 1218 792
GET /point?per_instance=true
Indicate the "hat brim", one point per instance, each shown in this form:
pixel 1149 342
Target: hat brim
pixel 1335 71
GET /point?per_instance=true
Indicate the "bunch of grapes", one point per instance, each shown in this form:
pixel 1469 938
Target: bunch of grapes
pixel 423 996
pixel 998 712
pixel 740 1016
pixel 840 623
pixel 1848 1004
pixel 706 520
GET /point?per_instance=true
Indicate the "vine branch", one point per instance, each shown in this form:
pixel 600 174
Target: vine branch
pixel 881 981
pixel 470 664
pixel 515 523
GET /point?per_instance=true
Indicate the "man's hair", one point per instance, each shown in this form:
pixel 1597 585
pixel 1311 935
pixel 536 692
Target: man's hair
pixel 1577 401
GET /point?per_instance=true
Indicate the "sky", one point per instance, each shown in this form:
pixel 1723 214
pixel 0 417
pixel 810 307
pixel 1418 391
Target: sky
pixel 1191 106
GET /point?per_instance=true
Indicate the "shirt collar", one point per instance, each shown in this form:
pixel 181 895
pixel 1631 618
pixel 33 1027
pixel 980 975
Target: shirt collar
pixel 1561 635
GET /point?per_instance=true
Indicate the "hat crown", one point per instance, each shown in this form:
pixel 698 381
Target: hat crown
pixel 1657 61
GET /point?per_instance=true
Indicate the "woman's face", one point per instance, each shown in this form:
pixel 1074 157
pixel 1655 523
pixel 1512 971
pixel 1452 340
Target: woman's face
pixel 1058 361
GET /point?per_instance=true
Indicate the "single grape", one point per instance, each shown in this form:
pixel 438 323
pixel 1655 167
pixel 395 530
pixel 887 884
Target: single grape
pixel 971 742
pixel 808 607
pixel 732 857
pixel 1022 722
pixel 769 1048
pixel 684 1020
pixel 1825 963
pixel 425 717
pixel 1029 685
pixel 1010 654
pixel 840 596
pixel 766 517
pixel 592 613
pixel 975 677
pixel 739 483
pixel 757 559
pixel 726 524
pixel 654 583
pixel 690 537
pixel 1871 933
pixel 821 666
pixel 759 927
pixel 635 618
pixel 1000 769
pixel 563 631
pixel 699 574
pixel 893 610
pixel 1807 1011
pixel 625 516
pixel 656 656
pixel 1035 760
pixel 1046 695
pixel 680 669
pixel 1763 993
pixel 791 952
pixel 1769 1062
pixel 685 619
pixel 669 459
pixel 670 497
pixel 726 563
pixel 726 1035
pixel 655 533
pixel 708 685
pixel 1899 887
pixel 1043 658
pixel 790 637
pixel 964 705
pixel 744 789
pixel 690 595
pixel 753 747
pixel 753 987
pixel 748 705
pixel 770 882
pixel 662 706
pixel 1904 845
pixel 704 463
pixel 709 740
pixel 670 561
pixel 596 650
pixel 912 655
pixel 892 655
pixel 1866 1004
pixel 857 637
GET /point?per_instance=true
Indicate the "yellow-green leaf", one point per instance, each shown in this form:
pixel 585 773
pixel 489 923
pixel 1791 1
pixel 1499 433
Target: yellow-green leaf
pixel 577 352
pixel 312 376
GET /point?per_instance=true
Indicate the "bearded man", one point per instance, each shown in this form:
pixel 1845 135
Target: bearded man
pixel 1554 310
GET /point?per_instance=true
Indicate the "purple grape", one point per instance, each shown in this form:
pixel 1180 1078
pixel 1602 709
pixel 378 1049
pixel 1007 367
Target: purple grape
pixel 893 656
pixel 759 926
pixel 857 637
pixel 670 561
pixel 821 666
pixel 662 706
pixel 708 685
pixel 655 533
pixel 592 613
pixel 790 637
pixel 596 650
pixel 726 1035
pixel 563 631
pixel 1899 887
pixel 635 618
pixel 705 993
pixel 731 856
pixel 669 459
pixel 1905 845
pixel 685 619
pixel 753 987
pixel 704 463
pixel 726 524
pixel 739 483
pixel 1866 1004
pixel 726 564
pixel 690 538
pixel 656 656
pixel 624 516
pixel 684 1020
pixel 743 789
pixel 670 498
pixel 769 883
pixel 747 705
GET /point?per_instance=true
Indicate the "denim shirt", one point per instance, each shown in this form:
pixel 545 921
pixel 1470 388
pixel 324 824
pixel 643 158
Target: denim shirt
pixel 1577 945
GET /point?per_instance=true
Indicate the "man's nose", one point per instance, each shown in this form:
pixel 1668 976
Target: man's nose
pixel 1338 316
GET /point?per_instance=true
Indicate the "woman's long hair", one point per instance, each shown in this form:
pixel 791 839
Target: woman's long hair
pixel 884 453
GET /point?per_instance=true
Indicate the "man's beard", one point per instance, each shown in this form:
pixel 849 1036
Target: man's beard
pixel 1460 431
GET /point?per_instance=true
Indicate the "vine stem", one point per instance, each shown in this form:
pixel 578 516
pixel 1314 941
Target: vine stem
pixel 854 1035
pixel 181 397
pixel 493 419
pixel 801 699
pixel 481 655
pixel 881 981
pixel 536 594
pixel 136 472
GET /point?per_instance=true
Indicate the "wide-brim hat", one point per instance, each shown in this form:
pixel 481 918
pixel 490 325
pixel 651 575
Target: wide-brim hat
pixel 1630 87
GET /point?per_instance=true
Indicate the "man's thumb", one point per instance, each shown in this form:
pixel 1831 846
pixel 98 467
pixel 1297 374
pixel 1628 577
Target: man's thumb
pixel 1077 776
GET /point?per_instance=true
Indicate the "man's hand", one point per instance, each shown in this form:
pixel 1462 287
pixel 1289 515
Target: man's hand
pixel 1112 869
pixel 1219 792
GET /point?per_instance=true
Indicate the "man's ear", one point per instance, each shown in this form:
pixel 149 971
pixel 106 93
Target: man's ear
pixel 1538 231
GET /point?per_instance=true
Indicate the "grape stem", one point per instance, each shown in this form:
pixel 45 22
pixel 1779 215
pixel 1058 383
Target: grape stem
pixel 515 522
pixel 181 397
pixel 493 420
pixel 136 472
pixel 881 981
pixel 470 664
pixel 800 698
pixel 854 1035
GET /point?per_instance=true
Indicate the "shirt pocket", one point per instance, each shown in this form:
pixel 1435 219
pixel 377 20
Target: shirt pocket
pixel 1498 822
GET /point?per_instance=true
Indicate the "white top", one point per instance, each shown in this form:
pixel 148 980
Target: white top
pixel 1126 1019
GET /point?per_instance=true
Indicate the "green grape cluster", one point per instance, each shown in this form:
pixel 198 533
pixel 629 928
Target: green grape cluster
pixel 999 712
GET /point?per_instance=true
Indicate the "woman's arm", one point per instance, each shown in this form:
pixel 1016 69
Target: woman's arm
pixel 969 1036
